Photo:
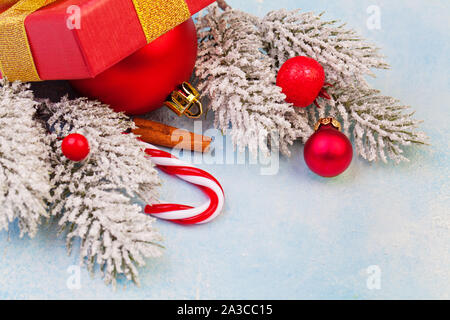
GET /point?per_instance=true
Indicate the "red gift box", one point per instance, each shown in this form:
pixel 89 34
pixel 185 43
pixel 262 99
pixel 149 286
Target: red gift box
pixel 110 30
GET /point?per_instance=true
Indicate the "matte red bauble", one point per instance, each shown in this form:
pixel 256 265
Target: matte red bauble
pixel 302 80
pixel 142 82
pixel 328 152
pixel 75 147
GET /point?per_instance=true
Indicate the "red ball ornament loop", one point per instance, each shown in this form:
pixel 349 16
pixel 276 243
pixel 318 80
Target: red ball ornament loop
pixel 75 147
pixel 328 152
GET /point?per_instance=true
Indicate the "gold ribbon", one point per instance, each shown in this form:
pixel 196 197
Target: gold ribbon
pixel 16 60
pixel 159 16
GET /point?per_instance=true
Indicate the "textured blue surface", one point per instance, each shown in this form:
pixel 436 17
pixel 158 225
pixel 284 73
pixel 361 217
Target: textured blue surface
pixel 294 235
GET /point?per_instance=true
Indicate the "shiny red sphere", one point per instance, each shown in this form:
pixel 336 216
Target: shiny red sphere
pixel 328 152
pixel 75 147
pixel 142 82
pixel 301 79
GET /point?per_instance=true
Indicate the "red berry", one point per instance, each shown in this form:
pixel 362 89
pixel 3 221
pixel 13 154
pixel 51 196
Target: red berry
pixel 302 79
pixel 75 147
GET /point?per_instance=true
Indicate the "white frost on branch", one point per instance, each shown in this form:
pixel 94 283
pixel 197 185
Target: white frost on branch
pixel 239 79
pixel 381 125
pixel 240 56
pixel 344 55
pixel 93 199
pixel 24 179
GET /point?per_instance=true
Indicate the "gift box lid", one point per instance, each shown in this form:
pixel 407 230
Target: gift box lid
pixel 78 39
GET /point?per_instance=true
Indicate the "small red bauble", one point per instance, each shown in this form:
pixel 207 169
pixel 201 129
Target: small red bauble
pixel 302 80
pixel 75 147
pixel 142 82
pixel 328 152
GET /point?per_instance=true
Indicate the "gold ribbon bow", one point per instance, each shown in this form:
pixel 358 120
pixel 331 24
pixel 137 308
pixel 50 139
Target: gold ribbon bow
pixel 16 59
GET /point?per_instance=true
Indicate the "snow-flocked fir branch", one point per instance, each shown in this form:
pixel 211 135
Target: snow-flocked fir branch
pixel 344 55
pixel 380 125
pixel 93 199
pixel 24 170
pixel 240 56
pixel 238 77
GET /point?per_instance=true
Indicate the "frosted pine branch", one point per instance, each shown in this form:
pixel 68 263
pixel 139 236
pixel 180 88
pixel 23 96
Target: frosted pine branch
pixel 239 79
pixel 240 56
pixel 93 199
pixel 344 55
pixel 381 125
pixel 24 172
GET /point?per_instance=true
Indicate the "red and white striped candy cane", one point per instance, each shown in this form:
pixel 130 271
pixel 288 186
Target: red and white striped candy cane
pixel 181 214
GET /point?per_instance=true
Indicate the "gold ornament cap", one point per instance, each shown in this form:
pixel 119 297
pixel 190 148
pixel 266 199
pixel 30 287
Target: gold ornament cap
pixel 328 121
pixel 186 101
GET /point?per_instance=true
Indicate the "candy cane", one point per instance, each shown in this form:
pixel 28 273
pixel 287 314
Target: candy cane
pixel 181 214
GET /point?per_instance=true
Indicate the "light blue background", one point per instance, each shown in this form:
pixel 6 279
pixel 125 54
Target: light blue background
pixel 295 235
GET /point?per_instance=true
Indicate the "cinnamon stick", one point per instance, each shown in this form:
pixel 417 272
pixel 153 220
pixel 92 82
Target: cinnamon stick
pixel 167 136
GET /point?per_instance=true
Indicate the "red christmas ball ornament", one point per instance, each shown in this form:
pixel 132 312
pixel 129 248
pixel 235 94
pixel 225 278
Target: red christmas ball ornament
pixel 302 80
pixel 328 152
pixel 142 82
pixel 75 147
